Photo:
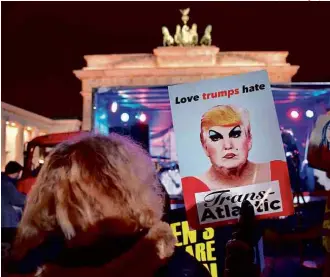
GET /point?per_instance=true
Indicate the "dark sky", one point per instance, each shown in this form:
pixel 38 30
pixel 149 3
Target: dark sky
pixel 42 42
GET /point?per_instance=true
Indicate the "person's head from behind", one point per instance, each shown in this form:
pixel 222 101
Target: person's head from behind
pixel 89 188
pixel 13 170
pixel 226 136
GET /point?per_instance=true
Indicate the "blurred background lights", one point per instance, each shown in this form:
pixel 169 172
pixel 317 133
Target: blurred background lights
pixel 309 113
pixel 294 114
pixel 124 117
pixel 114 107
pixel 142 117
pixel 103 116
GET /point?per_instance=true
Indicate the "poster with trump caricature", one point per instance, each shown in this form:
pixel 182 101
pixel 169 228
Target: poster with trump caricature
pixel 229 149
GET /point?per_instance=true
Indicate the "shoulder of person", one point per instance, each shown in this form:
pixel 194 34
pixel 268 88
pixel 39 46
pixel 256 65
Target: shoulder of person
pixel 6 181
pixel 4 177
pixel 182 264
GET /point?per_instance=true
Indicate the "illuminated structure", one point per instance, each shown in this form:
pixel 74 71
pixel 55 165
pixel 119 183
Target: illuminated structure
pixel 139 81
pixel 19 126
pixel 172 65
pixel 135 83
pixel 185 62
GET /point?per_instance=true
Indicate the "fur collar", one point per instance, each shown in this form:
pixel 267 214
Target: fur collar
pixel 144 258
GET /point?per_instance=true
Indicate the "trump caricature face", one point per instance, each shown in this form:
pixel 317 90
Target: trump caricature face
pixel 227 147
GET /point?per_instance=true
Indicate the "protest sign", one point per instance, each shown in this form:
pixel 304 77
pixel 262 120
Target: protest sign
pixel 208 245
pixel 229 149
pixel 199 245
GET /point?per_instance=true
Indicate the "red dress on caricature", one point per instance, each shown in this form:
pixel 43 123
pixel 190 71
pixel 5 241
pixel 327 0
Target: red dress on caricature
pixel 192 185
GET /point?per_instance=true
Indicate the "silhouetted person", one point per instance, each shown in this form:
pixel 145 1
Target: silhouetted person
pixel 10 197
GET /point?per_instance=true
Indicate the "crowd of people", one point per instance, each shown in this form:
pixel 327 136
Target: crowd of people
pixel 97 208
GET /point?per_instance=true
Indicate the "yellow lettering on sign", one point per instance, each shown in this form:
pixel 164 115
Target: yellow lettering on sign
pixel 213 269
pixel 188 235
pixel 190 250
pixel 200 252
pixel 176 233
pixel 209 250
pixel 208 233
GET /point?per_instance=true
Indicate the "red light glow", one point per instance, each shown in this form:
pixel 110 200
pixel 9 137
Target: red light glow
pixel 294 114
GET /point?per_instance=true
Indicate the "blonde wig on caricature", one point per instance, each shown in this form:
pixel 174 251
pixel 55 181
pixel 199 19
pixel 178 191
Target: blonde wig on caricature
pixel 225 116
pixel 87 181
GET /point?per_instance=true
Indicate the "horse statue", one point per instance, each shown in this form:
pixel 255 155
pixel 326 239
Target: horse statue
pixel 178 36
pixel 207 39
pixel 168 40
pixel 193 35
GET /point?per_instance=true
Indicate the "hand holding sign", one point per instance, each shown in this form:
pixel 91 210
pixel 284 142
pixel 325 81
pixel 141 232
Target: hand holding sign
pixel 239 250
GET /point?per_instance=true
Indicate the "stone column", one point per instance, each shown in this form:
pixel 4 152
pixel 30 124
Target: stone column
pixel 19 146
pixel 35 132
pixel 3 144
pixel 87 111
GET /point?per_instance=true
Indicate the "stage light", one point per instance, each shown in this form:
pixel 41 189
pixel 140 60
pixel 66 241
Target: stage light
pixel 309 113
pixel 294 114
pixel 288 154
pixel 142 117
pixel 103 116
pixel 114 107
pixel 124 117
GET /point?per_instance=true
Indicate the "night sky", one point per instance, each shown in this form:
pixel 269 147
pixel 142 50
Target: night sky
pixel 42 42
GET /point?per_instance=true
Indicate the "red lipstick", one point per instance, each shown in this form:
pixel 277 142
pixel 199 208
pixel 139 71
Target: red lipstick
pixel 229 156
